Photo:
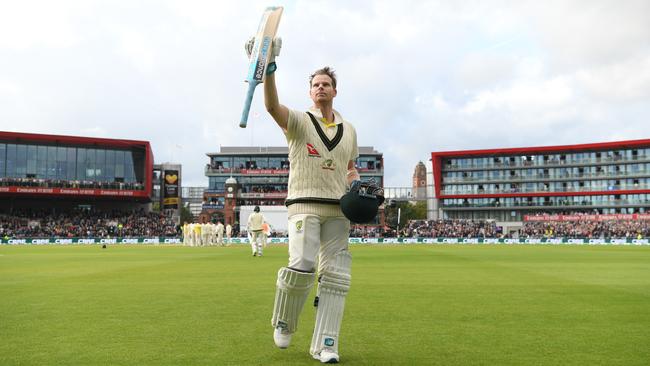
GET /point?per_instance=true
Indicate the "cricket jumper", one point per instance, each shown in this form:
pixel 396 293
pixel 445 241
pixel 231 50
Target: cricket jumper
pixel 318 157
pixel 255 221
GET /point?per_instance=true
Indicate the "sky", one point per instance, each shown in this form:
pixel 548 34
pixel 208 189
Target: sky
pixel 414 76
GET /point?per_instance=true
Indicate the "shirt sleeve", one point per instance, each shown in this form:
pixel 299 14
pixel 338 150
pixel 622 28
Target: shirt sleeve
pixel 294 124
pixel 354 152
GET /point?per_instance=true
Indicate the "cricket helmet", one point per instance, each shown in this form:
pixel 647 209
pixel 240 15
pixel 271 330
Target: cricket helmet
pixel 257 209
pixel 361 203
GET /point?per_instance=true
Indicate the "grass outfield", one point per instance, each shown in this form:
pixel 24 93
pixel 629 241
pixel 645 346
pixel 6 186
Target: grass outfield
pixel 409 305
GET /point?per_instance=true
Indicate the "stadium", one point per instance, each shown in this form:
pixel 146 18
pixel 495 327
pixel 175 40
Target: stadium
pixel 62 194
pixel 442 183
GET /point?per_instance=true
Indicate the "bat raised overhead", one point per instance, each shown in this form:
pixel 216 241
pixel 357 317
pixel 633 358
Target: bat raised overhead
pixel 259 59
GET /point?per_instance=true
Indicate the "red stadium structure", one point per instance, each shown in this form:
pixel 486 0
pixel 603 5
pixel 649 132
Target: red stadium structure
pixel 513 184
pixel 38 170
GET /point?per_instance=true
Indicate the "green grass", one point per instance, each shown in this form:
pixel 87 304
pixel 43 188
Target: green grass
pixel 409 305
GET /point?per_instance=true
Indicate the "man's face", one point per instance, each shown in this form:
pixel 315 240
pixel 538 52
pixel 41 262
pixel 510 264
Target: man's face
pixel 321 89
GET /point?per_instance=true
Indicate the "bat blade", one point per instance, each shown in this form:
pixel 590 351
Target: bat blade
pixel 259 59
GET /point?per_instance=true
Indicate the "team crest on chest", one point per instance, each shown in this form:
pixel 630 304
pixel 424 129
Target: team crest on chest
pixel 311 151
pixel 299 226
pixel 328 164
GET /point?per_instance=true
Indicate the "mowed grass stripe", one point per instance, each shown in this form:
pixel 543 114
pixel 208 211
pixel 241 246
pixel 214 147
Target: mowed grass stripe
pixel 409 304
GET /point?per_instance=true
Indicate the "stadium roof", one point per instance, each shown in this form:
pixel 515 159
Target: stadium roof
pixel 20 137
pixel 628 144
pixel 269 150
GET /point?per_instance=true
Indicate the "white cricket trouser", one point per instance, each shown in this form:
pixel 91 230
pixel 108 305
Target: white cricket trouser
pixel 313 238
pixel 256 241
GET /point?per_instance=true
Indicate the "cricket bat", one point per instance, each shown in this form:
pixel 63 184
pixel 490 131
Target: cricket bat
pixel 259 60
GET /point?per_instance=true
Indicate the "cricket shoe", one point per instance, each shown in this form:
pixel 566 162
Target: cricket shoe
pixel 327 356
pixel 281 337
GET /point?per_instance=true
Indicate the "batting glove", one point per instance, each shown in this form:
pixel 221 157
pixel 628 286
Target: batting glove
pixel 368 188
pixel 248 46
pixel 275 47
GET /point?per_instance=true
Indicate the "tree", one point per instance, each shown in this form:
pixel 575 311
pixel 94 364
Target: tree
pixel 409 211
pixel 186 215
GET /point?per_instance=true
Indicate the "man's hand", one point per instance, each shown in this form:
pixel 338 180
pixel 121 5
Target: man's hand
pixel 368 188
pixel 355 185
pixel 248 46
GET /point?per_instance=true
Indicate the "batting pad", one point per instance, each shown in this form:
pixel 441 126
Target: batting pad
pixel 333 287
pixel 292 290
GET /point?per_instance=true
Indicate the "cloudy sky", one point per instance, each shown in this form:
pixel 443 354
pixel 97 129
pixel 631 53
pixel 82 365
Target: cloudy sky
pixel 414 76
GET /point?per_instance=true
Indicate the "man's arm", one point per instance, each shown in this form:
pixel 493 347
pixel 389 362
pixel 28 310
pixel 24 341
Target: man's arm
pixel 279 112
pixel 353 174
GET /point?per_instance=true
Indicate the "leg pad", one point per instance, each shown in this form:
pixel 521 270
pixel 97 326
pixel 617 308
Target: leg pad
pixel 333 288
pixel 291 293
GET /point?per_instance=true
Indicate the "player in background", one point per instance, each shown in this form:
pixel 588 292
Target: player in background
pixel 322 151
pixel 255 221
pixel 196 238
pixel 214 237
pixel 219 230
pixel 186 233
pixel 205 234
pixel 228 234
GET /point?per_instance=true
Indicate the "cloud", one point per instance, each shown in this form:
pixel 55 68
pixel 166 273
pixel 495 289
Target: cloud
pixel 420 77
pixel 580 33
pixel 628 80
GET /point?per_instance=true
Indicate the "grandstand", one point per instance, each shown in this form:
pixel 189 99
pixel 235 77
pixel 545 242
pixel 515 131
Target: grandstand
pixel 78 187
pixel 508 184
pixel 67 172
pixel 81 187
pixel 252 175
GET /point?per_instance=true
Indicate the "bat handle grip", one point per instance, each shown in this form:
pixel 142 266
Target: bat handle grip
pixel 247 104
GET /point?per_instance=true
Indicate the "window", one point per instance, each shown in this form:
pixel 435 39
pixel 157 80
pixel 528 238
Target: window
pixel 3 158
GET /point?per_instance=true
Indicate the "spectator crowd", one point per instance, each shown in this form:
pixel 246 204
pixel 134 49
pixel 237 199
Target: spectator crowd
pixel 452 229
pixel 60 183
pixel 587 229
pixel 85 224
pixel 103 224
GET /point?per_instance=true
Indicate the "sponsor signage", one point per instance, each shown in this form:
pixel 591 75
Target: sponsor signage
pixel 608 217
pixel 212 206
pixel 264 195
pixel 73 191
pixel 171 199
pixel 284 240
pixel 140 240
pixel 499 241
pixel 264 171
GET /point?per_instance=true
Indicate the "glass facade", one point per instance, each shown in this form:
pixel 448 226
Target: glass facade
pixel 599 201
pixel 222 167
pixel 262 175
pixel 25 162
pixel 528 183
pixel 369 163
pixel 236 163
pixel 549 160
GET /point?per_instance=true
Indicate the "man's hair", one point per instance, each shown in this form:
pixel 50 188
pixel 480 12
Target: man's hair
pixel 324 71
